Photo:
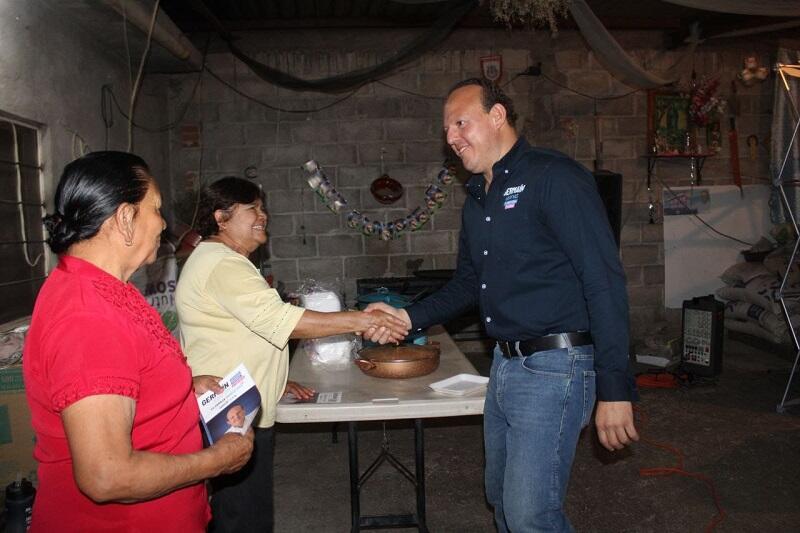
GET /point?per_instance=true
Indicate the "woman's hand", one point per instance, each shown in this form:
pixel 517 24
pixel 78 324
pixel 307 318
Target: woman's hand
pixel 203 384
pixel 298 391
pixel 233 451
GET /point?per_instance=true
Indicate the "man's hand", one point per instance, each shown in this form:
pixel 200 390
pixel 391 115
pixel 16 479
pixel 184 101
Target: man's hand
pixel 298 391
pixel 205 383
pixel 380 335
pixel 614 421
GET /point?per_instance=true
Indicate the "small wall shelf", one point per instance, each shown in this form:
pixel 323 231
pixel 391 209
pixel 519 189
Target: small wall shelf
pixel 696 162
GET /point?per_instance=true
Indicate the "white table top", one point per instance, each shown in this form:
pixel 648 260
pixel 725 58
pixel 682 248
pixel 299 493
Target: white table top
pixel 369 398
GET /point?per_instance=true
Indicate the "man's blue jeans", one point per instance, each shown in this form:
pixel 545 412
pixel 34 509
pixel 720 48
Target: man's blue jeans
pixel 535 409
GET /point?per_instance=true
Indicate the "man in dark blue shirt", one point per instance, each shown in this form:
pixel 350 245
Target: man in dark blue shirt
pixel 537 256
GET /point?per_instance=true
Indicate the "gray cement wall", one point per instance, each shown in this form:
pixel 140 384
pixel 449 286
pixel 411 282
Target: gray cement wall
pixel 308 241
pixel 51 74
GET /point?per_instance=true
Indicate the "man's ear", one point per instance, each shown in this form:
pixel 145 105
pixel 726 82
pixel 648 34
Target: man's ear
pixel 498 115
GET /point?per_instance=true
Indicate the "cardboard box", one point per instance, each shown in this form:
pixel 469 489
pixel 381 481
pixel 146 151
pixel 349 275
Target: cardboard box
pixel 16 433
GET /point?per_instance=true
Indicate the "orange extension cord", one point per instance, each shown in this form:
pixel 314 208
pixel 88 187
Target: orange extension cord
pixel 678 469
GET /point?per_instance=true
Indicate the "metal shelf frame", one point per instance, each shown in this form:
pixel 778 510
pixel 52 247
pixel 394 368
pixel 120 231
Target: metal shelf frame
pixel 784 293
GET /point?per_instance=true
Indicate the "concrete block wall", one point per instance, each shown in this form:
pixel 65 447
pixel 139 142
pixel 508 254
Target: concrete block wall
pixel 400 117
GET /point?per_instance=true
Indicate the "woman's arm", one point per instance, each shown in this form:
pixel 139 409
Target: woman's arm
pixel 314 324
pixel 107 468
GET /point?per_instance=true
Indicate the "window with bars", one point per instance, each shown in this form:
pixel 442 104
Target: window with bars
pixel 22 247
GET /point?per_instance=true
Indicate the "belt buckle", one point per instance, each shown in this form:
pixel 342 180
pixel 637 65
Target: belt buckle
pixel 509 348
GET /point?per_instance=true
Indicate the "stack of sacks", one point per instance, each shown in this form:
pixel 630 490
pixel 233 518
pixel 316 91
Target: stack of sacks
pixel 330 351
pixel 751 291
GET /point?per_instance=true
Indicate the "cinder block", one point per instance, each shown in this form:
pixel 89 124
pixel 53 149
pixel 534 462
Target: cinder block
pixel 618 106
pixel 236 159
pixel 291 155
pixel 591 82
pixel 631 233
pixel 291 247
pixel 570 59
pixel 652 233
pixel 619 148
pixel 405 265
pixel 442 261
pixel 361 130
pixel 431 108
pixel 653 275
pixel 318 131
pixel 408 128
pixel 645 296
pixel 395 84
pixel 263 133
pixel 221 134
pixel 318 223
pixel 284 270
pixel 432 242
pixel 365 267
pixel 639 254
pixel 334 154
pixel 633 276
pixel 290 201
pixel 241 110
pixel 276 178
pixel 572 104
pixel 323 269
pixel 371 152
pixel 428 152
pixel 279 225
pixel 437 84
pixel 373 108
pixel 357 176
pixel 374 246
pixel 340 245
pixel 447 219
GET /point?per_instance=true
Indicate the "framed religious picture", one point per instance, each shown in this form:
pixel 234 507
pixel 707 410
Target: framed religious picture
pixel 667 121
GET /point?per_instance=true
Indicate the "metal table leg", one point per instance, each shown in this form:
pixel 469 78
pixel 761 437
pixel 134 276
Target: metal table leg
pixel 357 482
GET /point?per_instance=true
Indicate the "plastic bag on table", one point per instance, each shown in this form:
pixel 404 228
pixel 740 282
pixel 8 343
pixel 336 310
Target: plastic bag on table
pixel 334 352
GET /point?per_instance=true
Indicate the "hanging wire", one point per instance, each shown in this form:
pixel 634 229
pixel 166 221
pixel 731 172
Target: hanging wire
pixel 139 74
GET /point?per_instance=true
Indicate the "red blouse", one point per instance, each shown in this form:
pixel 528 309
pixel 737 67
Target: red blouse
pixel 92 334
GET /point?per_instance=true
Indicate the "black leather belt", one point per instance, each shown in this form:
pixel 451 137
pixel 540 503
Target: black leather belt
pixel 546 342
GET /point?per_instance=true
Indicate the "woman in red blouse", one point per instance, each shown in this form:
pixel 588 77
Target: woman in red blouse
pixel 111 396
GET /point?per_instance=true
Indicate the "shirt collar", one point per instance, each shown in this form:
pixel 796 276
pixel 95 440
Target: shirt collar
pixel 501 169
pixel 81 267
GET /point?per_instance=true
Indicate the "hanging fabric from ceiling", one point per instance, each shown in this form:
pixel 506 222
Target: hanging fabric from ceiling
pixel 784 124
pixel 764 8
pixel 615 59
pixel 352 80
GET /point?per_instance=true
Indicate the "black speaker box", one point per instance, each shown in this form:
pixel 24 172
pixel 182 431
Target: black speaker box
pixel 609 185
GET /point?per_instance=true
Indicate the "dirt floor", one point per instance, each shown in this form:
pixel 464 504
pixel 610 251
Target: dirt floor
pixel 728 432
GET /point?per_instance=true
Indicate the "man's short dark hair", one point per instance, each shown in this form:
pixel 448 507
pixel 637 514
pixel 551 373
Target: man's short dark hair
pixel 490 94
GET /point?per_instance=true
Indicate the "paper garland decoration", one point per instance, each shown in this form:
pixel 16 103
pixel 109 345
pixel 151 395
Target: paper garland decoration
pixel 418 217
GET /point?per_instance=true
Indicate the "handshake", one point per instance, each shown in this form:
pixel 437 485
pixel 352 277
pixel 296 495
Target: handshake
pixel 384 323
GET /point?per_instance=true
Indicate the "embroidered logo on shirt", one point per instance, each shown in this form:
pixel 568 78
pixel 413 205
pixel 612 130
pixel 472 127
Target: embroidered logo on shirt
pixel 514 190
pixel 511 196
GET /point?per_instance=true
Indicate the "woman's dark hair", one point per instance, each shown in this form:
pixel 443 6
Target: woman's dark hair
pixel 223 194
pixel 89 191
pixel 490 94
